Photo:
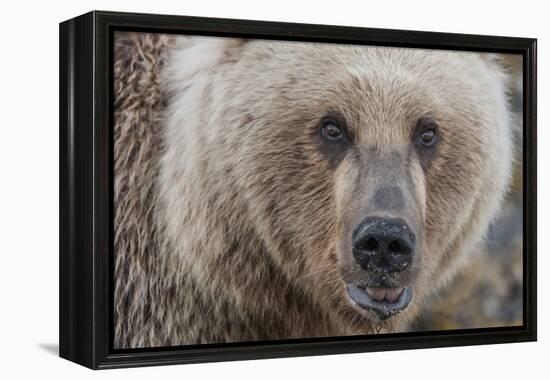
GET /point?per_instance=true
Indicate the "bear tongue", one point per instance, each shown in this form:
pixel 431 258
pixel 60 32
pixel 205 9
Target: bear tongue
pixel 384 294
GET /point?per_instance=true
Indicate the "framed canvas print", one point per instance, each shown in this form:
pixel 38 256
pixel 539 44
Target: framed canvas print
pixel 237 189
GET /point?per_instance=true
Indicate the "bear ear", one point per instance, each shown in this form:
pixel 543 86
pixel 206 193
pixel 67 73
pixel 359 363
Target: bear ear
pixel 193 54
pixel 509 69
pixel 500 66
pixel 232 49
pixel 495 63
pixel 191 57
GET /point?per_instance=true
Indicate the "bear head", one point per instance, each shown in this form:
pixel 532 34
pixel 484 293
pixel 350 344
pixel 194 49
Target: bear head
pixel 369 173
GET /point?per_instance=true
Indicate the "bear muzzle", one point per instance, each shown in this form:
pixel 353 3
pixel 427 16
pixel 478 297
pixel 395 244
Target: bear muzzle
pixel 383 248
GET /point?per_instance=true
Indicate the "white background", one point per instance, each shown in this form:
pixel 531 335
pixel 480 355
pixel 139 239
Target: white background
pixel 29 188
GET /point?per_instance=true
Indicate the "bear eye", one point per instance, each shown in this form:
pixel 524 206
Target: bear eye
pixel 331 130
pixel 426 133
pixel 428 137
pixel 332 137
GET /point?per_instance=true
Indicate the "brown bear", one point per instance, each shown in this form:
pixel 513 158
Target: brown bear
pixel 275 190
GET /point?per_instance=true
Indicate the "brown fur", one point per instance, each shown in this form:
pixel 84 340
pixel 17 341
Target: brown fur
pixel 231 224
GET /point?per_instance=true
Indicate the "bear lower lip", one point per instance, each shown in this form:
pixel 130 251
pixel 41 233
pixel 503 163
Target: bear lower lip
pixel 390 295
pixel 385 302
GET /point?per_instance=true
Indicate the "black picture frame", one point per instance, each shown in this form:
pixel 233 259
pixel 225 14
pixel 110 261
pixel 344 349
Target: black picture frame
pixel 86 189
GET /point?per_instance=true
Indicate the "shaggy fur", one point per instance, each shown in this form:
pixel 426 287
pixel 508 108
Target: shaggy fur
pixel 231 224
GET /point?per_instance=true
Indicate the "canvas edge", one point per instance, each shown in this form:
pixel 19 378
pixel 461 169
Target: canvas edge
pixel 86 179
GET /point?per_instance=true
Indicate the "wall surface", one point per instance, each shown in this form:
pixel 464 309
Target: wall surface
pixel 29 192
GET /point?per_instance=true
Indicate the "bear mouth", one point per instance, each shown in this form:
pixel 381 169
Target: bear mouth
pixel 385 302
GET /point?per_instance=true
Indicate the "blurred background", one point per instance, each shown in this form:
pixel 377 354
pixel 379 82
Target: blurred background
pixel 489 292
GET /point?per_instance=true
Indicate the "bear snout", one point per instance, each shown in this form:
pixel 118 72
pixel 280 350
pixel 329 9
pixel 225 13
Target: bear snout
pixel 384 245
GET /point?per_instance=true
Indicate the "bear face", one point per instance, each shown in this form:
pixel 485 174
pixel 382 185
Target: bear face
pixel 368 174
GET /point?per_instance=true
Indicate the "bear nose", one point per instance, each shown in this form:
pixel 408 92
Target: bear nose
pixel 383 244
